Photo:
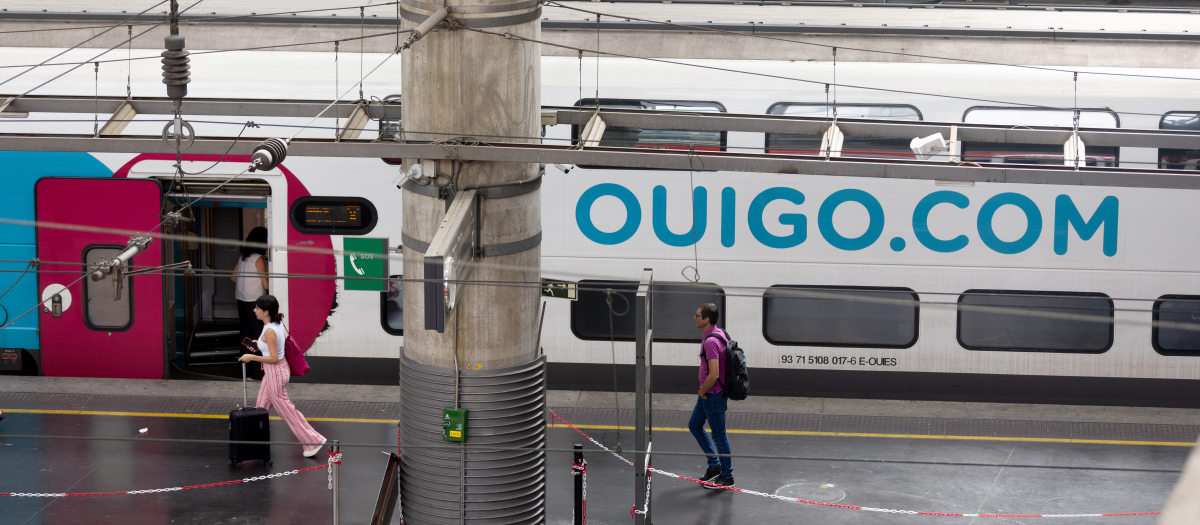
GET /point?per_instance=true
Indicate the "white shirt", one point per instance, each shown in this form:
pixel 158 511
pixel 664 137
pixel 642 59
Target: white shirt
pixel 249 280
pixel 279 336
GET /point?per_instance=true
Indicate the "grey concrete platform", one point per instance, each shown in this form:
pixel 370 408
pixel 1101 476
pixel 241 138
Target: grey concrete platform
pixel 930 475
pixel 904 455
pixel 932 418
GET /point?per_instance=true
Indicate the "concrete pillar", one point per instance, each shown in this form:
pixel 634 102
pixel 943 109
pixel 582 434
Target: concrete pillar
pixel 465 84
pixel 461 83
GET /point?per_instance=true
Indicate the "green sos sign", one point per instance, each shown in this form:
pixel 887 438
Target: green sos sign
pixel 365 263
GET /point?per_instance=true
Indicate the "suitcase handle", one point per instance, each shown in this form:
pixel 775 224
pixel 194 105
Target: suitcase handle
pixel 245 399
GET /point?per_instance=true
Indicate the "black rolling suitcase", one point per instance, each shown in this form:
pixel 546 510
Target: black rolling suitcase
pixel 249 424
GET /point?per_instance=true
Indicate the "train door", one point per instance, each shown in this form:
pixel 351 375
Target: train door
pixel 92 330
pixel 206 316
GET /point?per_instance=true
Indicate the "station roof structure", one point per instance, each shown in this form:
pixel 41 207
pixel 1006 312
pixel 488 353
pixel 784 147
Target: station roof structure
pixel 653 158
pixel 1032 33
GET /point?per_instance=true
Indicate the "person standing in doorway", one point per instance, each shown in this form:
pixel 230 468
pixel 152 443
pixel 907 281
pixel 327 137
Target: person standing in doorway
pixel 273 392
pixel 250 283
pixel 712 403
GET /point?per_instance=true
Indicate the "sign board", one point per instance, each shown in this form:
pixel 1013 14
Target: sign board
pixel 450 259
pixel 560 289
pixel 365 263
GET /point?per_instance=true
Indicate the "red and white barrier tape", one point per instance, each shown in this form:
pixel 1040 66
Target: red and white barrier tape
pixel 151 491
pixel 633 512
pixel 840 506
pixel 335 458
pixel 580 469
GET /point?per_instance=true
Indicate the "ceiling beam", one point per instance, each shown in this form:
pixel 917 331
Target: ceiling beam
pixel 375 110
pixel 200 106
pixel 633 158
pixel 1130 138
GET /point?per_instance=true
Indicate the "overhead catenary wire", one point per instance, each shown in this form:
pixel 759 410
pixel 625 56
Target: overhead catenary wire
pixel 581 276
pixel 40 303
pixel 530 139
pixel 208 18
pixel 343 95
pixel 665 61
pixel 659 60
pixel 98 35
pixel 758 35
pixel 234 50
pixel 1026 311
pixel 810 292
pixel 784 77
pixel 93 59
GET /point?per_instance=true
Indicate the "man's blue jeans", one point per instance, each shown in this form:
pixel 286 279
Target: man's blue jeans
pixel 713 411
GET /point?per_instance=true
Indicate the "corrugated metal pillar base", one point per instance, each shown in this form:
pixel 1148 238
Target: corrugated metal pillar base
pixel 453 484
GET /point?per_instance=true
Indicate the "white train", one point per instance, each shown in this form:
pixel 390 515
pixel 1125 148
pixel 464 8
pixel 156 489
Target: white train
pixel 833 286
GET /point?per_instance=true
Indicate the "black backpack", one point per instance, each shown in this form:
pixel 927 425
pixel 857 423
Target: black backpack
pixel 736 384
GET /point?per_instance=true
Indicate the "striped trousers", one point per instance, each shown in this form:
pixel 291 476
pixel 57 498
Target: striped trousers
pixel 272 394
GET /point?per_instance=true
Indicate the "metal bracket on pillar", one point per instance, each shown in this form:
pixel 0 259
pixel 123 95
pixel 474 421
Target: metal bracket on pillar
pixel 355 123
pixel 428 23
pixel 592 132
pixel 119 120
pixel 643 397
pixel 831 141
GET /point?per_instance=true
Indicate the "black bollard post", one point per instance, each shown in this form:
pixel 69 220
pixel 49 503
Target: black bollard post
pixel 579 470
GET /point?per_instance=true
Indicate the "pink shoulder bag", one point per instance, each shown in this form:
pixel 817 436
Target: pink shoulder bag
pixel 294 356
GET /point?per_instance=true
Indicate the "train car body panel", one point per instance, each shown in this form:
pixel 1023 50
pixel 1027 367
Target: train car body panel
pixel 21 170
pixel 101 336
pixel 752 235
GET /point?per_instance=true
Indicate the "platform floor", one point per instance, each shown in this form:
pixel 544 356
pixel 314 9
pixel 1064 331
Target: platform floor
pixel 936 457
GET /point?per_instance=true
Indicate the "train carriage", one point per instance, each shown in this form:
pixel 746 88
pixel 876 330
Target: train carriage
pixel 832 285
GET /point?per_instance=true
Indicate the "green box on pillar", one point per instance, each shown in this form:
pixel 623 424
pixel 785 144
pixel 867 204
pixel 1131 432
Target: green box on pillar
pixel 454 424
pixel 365 257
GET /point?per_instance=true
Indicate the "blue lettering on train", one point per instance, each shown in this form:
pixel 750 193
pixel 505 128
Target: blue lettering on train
pixel 1066 217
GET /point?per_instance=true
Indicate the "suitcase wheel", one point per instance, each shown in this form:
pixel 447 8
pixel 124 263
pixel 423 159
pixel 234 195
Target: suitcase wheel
pixel 270 463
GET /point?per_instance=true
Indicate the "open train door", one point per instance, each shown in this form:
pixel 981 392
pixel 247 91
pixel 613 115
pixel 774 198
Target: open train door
pixel 89 333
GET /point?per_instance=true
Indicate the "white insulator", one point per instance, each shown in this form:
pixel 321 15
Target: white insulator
pixel 268 154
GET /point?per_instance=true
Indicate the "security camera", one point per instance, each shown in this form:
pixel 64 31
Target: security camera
pixel 926 147
pixel 564 169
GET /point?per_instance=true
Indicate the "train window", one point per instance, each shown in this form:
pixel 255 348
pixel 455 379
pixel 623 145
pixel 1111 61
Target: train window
pixel 390 129
pixel 1179 159
pixel 1035 321
pixel 852 316
pixel 1009 153
pixel 333 215
pixel 391 308
pixel 1176 329
pixel 100 311
pixel 619 137
pixel 862 147
pixel 674 306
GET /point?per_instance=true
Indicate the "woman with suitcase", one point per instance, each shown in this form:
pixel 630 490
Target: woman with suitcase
pixel 272 392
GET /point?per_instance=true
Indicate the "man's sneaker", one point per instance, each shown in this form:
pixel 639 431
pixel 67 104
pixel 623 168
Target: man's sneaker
pixel 719 483
pixel 711 474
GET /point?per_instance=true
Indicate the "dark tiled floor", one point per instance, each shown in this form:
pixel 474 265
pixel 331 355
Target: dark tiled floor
pixel 1008 485
pixel 908 425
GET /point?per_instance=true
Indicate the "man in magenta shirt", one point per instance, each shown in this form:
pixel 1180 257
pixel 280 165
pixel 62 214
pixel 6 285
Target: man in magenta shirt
pixel 712 403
